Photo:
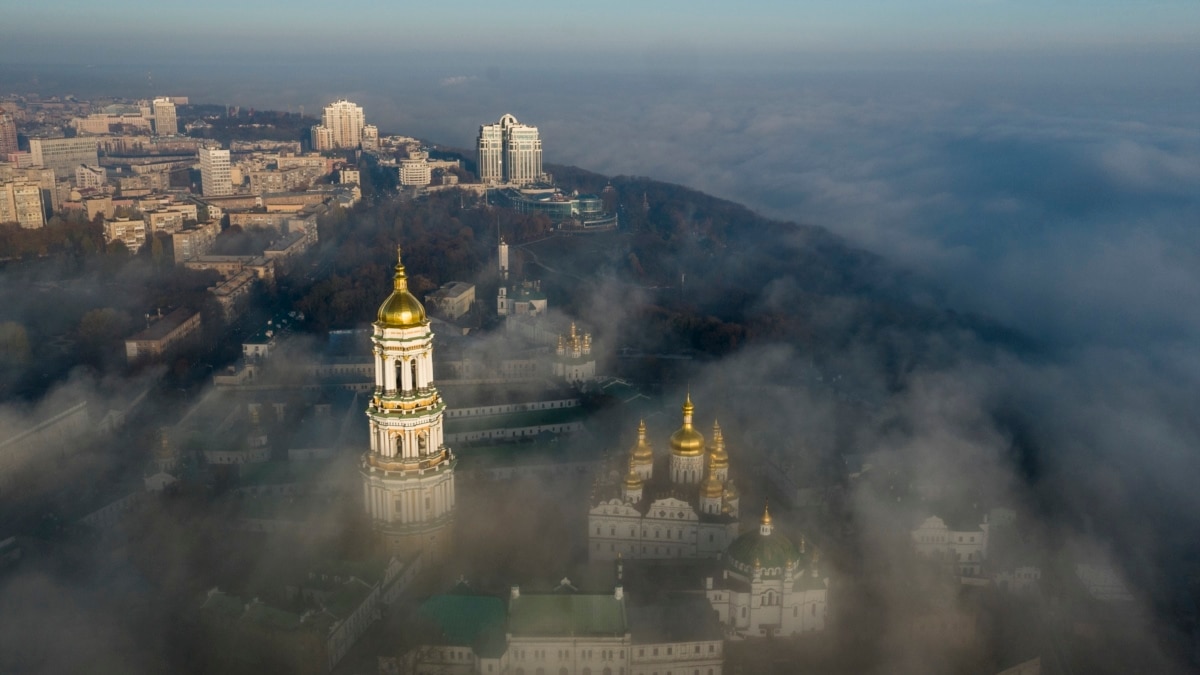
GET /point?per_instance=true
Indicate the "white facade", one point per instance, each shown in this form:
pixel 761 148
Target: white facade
pixel 408 472
pixel 509 152
pixel 215 176
pixel 769 586
pixel 965 550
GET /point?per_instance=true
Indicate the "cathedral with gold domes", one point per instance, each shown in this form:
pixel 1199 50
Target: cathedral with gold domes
pixel 408 472
pixel 680 505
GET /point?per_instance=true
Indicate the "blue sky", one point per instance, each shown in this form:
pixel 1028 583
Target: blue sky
pixel 699 29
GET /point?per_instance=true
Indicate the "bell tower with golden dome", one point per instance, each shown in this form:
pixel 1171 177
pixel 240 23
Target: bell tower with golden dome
pixel 408 473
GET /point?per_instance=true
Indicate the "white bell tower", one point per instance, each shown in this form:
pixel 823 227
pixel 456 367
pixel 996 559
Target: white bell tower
pixel 408 474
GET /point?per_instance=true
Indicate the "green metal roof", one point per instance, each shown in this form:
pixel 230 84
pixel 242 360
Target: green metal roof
pixel 562 615
pixel 475 620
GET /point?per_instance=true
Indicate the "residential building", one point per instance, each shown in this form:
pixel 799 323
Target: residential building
pixel 344 122
pixel 21 203
pixel 510 152
pixel 165 122
pixel 415 172
pixel 193 242
pixel 215 180
pixel 64 154
pixel 130 232
pixel 90 177
pixel 8 134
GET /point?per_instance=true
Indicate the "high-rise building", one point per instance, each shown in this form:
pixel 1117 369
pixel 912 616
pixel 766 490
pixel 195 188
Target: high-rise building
pixel 215 180
pixel 408 473
pixel 165 122
pixel 510 152
pixel 64 154
pixel 8 135
pixel 344 122
pixel 21 203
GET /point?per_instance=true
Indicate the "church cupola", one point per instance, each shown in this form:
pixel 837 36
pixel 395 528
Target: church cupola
pixel 765 527
pixel 632 488
pixel 687 450
pixel 642 455
pixel 401 309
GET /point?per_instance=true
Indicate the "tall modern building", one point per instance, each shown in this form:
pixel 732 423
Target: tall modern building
pixel 341 125
pixel 8 135
pixel 64 154
pixel 215 180
pixel 510 152
pixel 165 122
pixel 408 473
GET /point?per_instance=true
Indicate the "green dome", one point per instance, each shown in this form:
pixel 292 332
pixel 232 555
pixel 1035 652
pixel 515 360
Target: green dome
pixel 772 552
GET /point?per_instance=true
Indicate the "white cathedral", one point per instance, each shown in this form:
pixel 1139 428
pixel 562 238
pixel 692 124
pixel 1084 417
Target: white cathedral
pixel 685 507
pixel 408 472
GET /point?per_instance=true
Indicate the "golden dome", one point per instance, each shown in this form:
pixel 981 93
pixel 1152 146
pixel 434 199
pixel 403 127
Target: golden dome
pixel 766 519
pixel 712 488
pixel 401 309
pixel 642 453
pixel 687 442
pixel 720 458
pixel 633 481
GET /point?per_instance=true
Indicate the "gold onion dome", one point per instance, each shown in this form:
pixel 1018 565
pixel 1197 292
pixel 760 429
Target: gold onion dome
pixel 642 453
pixel 712 488
pixel 720 458
pixel 633 481
pixel 687 442
pixel 401 309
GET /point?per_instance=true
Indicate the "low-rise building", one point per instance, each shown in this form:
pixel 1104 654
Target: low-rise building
pixel 453 300
pixel 162 336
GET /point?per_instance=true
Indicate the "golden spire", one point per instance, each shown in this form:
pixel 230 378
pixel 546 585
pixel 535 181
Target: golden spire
pixel 712 488
pixel 766 518
pixel 401 309
pixel 687 442
pixel 400 281
pixel 720 458
pixel 642 454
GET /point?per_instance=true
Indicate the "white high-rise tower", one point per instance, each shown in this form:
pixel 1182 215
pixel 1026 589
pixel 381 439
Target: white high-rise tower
pixel 215 172
pixel 344 122
pixel 510 152
pixel 408 474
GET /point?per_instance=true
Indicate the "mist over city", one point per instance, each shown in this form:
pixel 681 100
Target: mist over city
pixel 670 340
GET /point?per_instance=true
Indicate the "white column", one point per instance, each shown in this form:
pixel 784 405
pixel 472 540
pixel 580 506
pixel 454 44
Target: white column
pixel 379 370
pixel 389 374
pixel 406 375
